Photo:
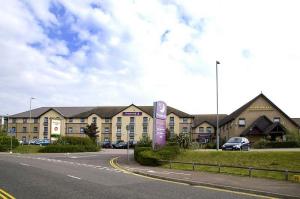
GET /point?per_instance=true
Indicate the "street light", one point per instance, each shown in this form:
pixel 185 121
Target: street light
pixel 217 88
pixel 8 131
pixel 31 98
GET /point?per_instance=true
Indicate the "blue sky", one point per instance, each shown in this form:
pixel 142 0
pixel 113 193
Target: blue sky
pixel 110 52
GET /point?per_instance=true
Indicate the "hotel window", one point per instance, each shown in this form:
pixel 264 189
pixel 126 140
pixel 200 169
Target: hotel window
pixel 14 120
pixel 107 120
pixel 242 122
pixel 106 139
pixel 45 130
pixel 35 129
pixel 34 137
pixel 208 129
pixel 106 130
pixel 201 129
pixel 24 120
pixel 118 130
pixel 45 121
pixel 71 120
pixel 276 119
pixel 172 120
pixel 131 120
pixel 118 138
pixel 82 120
pixel 185 120
pixel 184 130
pixel 45 137
pixel 145 120
pixel 13 129
pixel 131 129
pixel 70 129
pixel 172 129
pixel 145 129
pixel 81 129
pixel 94 120
pixel 35 120
pixel 119 120
pixel 24 129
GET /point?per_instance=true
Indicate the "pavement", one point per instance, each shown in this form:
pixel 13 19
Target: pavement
pixel 90 175
pixel 266 187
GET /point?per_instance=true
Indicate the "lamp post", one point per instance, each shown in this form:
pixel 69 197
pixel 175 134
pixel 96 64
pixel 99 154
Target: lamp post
pixel 127 128
pixel 31 98
pixel 217 88
pixel 8 131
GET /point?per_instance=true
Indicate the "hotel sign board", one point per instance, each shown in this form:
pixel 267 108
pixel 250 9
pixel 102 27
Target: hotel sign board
pixel 132 113
pixel 159 124
pixel 55 127
pixel 261 108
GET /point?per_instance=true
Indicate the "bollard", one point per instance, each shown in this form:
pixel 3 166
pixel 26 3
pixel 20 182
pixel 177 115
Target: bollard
pixel 193 166
pixel 219 166
pixel 286 174
pixel 250 171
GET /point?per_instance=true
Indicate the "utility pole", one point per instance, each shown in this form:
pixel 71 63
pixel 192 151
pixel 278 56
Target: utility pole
pixel 217 88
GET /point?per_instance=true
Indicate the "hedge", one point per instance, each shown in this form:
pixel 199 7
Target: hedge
pixel 5 142
pixel 267 144
pixel 59 148
pixel 146 156
pixel 75 141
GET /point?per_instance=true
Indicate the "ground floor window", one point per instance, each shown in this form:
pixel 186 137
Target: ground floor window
pixel 81 129
pixel 106 139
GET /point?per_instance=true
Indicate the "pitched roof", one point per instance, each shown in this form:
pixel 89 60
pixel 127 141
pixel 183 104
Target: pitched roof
pixel 64 111
pixel 261 124
pixel 110 111
pixel 236 113
pixel 297 120
pixel 209 118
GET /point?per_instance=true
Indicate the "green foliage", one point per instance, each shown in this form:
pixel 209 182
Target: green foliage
pixel 91 131
pixel 144 142
pixel 27 149
pixel 293 136
pixel 183 140
pixel 5 142
pixel 68 140
pixel 146 156
pixel 3 131
pixel 58 148
pixel 269 144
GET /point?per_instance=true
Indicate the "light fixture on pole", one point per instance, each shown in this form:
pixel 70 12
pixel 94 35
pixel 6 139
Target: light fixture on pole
pixel 31 98
pixel 217 88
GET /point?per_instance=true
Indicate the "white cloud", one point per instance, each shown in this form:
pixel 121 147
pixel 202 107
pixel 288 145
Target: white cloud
pixel 124 60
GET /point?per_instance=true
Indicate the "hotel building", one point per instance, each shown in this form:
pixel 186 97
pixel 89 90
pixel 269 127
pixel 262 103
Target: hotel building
pixel 256 119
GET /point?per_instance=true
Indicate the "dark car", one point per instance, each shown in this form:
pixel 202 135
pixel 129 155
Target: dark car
pixel 120 145
pixel 237 143
pixel 106 144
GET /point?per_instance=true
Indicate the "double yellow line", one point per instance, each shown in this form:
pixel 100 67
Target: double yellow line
pixel 5 195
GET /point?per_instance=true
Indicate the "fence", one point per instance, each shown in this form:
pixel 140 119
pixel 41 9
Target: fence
pixel 285 172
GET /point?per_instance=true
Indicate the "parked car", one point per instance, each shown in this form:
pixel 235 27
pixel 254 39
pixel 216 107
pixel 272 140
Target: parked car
pixel 106 144
pixel 32 142
pixel 42 142
pixel 119 145
pixel 132 143
pixel 237 143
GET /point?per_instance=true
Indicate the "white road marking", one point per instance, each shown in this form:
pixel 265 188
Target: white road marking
pixel 25 164
pixel 74 177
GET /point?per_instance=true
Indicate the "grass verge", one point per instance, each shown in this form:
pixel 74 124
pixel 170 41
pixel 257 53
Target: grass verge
pixel 270 160
pixel 27 149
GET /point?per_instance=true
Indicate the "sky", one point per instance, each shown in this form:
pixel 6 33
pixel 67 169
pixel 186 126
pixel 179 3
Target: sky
pixel 112 52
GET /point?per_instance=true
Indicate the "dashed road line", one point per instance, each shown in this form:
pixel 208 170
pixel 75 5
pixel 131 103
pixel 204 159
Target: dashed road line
pixel 75 177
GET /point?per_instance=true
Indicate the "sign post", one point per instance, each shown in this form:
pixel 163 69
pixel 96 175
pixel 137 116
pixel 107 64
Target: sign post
pixel 159 124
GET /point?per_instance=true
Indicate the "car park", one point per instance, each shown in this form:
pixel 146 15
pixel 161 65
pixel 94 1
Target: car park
pixel 237 143
pixel 106 144
pixel 119 145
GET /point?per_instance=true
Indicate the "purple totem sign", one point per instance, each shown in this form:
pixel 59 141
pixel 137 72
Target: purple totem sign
pixel 159 124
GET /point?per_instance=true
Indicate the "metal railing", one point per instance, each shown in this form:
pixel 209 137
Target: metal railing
pixel 285 172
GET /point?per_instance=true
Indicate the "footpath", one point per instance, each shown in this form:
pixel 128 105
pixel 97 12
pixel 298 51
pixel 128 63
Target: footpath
pixel 259 186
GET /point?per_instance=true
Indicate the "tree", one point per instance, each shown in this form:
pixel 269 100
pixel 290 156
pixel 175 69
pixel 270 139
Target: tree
pixel 91 131
pixel 183 140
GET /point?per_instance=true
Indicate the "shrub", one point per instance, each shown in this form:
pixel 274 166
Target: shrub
pixel 138 149
pixel 145 141
pixel 68 140
pixel 58 148
pixel 149 158
pixel 268 144
pixel 5 143
pixel 168 152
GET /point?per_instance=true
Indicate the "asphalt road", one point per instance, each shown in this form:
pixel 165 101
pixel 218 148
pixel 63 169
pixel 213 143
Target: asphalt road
pixel 87 176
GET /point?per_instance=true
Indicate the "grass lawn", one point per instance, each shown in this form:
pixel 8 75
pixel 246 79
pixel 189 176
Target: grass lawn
pixel 269 159
pixel 27 149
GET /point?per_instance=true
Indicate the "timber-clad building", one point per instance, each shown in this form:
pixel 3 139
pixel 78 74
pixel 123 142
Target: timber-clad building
pixel 256 119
